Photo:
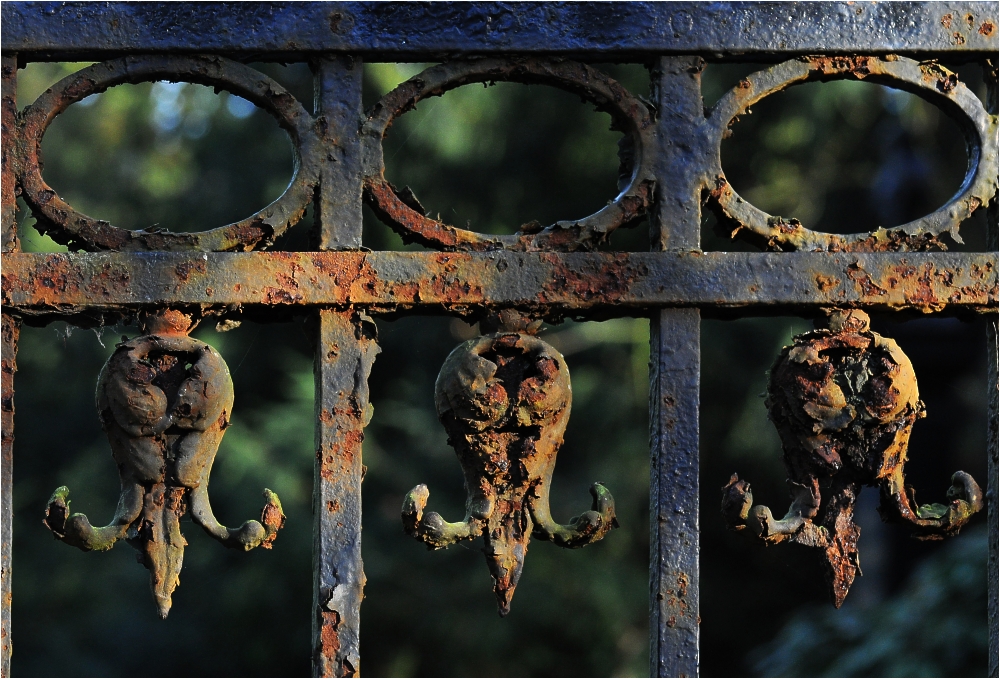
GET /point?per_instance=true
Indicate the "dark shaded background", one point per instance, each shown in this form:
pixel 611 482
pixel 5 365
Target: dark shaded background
pixel 841 156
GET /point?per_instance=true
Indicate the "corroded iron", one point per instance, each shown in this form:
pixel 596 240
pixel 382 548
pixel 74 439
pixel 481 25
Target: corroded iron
pixel 165 400
pixel 505 400
pixel 844 400
pixel 928 80
pixel 401 210
pixel 670 164
pixel 59 285
pixel 65 225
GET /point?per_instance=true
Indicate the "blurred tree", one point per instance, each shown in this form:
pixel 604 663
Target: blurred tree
pixel 185 158
pixel 932 628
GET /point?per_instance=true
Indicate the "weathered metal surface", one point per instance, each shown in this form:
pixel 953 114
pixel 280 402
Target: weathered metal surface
pixel 670 159
pixel 990 75
pixel 8 360
pixel 330 144
pixel 9 332
pixel 8 114
pixel 505 400
pixel 165 401
pixel 629 115
pixel 551 283
pixel 675 621
pixel 338 110
pixel 345 350
pixel 925 79
pixel 65 225
pixel 844 400
pixel 420 31
pixel 675 370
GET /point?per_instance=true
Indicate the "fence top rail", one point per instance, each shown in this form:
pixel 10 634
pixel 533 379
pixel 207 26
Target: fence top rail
pixel 434 30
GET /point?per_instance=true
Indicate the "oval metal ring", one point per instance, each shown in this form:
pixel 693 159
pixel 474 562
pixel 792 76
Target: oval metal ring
pixel 926 80
pixel 629 115
pixel 65 225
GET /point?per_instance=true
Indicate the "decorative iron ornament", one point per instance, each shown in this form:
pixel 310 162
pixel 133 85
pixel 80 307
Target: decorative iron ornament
pixel 509 451
pixel 844 400
pixel 506 441
pixel 164 400
pixel 928 80
pixel 505 400
pixel 629 115
pixel 401 210
pixel 65 225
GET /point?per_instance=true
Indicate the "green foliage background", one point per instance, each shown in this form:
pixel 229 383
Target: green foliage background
pixel 840 156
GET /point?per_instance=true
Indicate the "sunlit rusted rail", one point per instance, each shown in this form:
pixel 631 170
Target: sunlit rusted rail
pixel 561 282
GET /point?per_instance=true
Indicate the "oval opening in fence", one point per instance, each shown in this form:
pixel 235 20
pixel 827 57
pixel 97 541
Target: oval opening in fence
pixel 845 156
pixel 490 159
pixel 172 156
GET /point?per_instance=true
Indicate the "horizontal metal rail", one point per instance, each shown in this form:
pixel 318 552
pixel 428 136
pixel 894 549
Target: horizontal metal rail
pixel 620 283
pixel 420 31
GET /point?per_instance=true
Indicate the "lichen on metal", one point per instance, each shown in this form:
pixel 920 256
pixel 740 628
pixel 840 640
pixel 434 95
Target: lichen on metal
pixel 505 400
pixel 844 400
pixel 165 401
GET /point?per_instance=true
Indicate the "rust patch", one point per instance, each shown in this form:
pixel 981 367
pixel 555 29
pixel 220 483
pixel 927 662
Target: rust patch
pixel 863 281
pixel 859 66
pixel 329 637
pixel 987 28
pixel 607 281
pixel 184 269
pixel 825 283
pixel 919 285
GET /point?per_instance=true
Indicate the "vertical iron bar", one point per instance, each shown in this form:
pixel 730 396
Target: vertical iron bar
pixel 8 95
pixel 338 200
pixel 10 331
pixel 345 349
pixel 992 431
pixel 8 358
pixel 675 351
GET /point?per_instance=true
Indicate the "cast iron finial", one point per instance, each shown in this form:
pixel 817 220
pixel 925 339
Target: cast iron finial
pixel 164 400
pixel 505 400
pixel 844 400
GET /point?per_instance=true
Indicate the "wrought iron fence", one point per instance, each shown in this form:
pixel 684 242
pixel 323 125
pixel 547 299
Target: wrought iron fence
pixel 843 398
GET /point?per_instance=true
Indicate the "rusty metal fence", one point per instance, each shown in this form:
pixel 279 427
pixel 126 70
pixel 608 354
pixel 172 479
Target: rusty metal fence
pixel 843 397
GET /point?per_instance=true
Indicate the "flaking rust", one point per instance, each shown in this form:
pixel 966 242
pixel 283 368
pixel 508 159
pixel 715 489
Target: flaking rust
pixel 165 400
pixel 844 400
pixel 505 400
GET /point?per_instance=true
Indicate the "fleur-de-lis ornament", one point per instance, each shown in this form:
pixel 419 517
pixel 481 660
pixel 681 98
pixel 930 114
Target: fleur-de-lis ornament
pixel 164 400
pixel 844 400
pixel 505 400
